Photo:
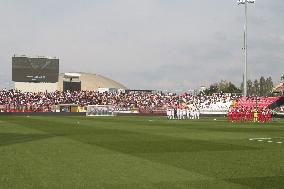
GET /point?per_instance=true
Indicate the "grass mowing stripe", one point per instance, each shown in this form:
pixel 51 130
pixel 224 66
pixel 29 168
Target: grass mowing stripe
pixel 14 138
pixel 260 182
pixel 159 153
pixel 127 141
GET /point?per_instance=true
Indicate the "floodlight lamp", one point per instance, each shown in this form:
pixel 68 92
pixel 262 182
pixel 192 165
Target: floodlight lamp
pixel 241 2
pixel 251 1
pixel 244 1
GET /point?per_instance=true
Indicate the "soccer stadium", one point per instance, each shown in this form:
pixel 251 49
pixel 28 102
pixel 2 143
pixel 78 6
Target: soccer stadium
pixel 93 132
pixel 78 129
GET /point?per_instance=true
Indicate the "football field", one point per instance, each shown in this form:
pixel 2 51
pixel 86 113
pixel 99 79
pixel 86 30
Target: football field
pixel 139 152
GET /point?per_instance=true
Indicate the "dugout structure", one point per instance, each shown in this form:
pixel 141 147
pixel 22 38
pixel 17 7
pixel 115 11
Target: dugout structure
pixel 69 108
pixel 100 110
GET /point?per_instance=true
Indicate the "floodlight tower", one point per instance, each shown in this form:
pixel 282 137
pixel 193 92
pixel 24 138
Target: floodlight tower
pixel 245 2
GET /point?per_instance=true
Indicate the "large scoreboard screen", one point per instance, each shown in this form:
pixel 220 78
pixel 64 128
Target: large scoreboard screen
pixel 25 69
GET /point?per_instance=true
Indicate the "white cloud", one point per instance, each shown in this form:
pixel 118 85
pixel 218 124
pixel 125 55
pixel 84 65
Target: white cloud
pixel 145 43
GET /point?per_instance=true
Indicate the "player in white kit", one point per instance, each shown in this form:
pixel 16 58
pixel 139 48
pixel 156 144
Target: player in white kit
pixel 183 113
pixel 188 113
pixel 197 113
pixel 178 113
pixel 169 113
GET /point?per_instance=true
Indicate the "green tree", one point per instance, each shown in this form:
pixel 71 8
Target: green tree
pixel 268 86
pixel 222 86
pixel 255 87
pixel 249 87
pixel 212 89
pixel 262 86
pixel 232 88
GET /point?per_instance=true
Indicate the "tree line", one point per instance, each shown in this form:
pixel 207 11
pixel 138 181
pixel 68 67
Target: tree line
pixel 258 87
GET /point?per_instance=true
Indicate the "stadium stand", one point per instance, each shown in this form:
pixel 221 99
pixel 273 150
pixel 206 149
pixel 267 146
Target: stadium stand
pixel 17 101
pixel 144 102
pixel 279 88
pixel 260 102
pixel 255 109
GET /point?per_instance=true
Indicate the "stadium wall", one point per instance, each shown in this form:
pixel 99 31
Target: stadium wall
pixel 35 87
pixel 42 113
pixel 280 115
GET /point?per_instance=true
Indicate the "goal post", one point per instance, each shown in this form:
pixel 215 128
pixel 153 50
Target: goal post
pixel 100 110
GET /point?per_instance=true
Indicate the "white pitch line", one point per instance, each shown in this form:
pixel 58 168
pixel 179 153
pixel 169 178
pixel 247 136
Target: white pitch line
pixel 269 141
pixel 279 142
pixel 259 140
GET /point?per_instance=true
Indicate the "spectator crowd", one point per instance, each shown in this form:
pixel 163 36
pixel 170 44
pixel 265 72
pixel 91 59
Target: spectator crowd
pixel 13 100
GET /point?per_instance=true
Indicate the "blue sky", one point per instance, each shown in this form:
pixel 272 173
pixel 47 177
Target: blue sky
pixel 146 44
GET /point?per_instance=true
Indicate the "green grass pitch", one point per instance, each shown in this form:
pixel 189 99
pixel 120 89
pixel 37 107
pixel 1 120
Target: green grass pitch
pixel 139 152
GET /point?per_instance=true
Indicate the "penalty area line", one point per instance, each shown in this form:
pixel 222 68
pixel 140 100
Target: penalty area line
pixel 260 138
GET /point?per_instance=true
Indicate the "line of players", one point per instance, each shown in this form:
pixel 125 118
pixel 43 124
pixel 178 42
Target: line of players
pixel 249 115
pixel 183 113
